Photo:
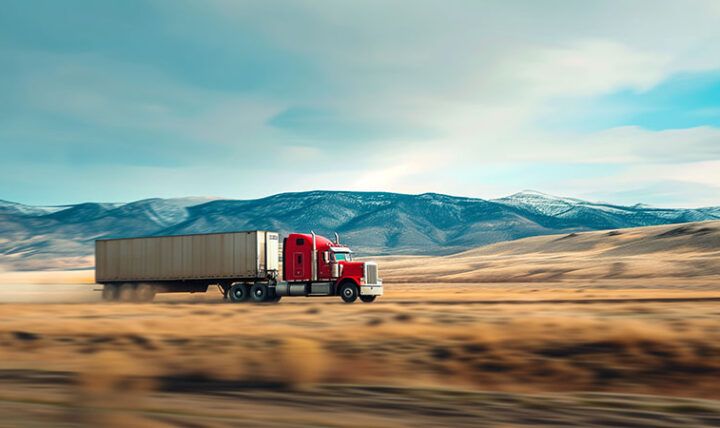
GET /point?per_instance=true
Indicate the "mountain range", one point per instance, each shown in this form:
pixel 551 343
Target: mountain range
pixel 51 237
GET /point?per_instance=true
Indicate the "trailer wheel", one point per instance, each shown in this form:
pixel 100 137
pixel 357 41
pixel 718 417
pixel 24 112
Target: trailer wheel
pixel 238 293
pixel 348 292
pixel 110 292
pixel 259 292
pixel 145 292
pixel 368 299
pixel 127 293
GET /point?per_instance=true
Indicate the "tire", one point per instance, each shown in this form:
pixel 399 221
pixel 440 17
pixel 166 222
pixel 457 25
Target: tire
pixel 272 295
pixel 239 292
pixel 259 292
pixel 349 292
pixel 368 299
pixel 127 293
pixel 110 292
pixel 145 292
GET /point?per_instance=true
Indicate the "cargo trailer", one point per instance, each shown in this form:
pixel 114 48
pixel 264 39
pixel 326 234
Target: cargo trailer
pixel 245 266
pixel 185 263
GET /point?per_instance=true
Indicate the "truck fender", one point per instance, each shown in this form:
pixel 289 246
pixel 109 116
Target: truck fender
pixel 342 281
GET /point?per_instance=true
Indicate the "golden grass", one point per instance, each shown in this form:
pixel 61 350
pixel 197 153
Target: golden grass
pixel 650 347
pixel 629 312
pixel 676 252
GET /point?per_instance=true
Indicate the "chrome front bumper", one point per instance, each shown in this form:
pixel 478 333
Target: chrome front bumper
pixel 372 289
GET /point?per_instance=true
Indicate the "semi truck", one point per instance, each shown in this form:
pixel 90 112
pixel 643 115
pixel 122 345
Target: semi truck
pixel 245 266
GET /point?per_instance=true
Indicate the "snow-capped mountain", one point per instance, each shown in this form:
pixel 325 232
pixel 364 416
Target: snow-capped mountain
pixel 569 211
pixel 371 222
pixel 7 207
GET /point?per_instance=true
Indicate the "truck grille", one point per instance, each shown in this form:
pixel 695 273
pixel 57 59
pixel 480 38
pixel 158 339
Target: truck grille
pixel 371 273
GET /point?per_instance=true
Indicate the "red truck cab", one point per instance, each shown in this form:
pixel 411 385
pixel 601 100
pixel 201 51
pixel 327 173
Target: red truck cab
pixel 315 265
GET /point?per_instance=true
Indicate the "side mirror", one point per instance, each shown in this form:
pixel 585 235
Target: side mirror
pixel 326 257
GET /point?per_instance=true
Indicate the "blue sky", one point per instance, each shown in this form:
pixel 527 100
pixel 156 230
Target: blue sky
pixel 123 100
pixel 683 100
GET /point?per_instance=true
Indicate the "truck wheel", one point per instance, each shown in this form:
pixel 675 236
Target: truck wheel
pixel 259 292
pixel 272 295
pixel 145 292
pixel 110 292
pixel 368 299
pixel 348 292
pixel 238 293
pixel 127 293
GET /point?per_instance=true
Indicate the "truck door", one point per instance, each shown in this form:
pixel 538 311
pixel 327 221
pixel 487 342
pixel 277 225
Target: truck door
pixel 298 266
pixel 324 272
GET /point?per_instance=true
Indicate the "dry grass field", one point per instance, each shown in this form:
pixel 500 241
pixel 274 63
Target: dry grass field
pixel 597 329
pixel 676 254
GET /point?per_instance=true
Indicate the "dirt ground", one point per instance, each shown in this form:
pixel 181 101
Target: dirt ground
pixel 452 354
pixel 599 329
pixel 230 405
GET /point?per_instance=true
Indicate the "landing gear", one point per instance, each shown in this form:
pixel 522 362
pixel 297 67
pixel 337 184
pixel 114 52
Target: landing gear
pixel 348 292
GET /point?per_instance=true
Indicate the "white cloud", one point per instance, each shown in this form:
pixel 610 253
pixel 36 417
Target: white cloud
pixel 705 172
pixel 627 145
pixel 473 78
pixel 591 67
pixel 412 171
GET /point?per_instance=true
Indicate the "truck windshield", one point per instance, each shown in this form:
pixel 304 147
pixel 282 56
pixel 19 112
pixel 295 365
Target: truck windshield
pixel 343 257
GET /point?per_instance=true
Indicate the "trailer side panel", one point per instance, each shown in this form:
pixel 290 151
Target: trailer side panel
pixel 189 257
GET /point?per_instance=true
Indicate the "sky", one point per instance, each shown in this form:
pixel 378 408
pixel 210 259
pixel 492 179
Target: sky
pixel 611 101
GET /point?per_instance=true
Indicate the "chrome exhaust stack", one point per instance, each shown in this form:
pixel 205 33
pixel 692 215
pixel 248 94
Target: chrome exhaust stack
pixel 313 258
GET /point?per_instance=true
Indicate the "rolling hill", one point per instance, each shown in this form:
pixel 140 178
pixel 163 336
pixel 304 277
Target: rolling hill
pixel 683 253
pixel 34 237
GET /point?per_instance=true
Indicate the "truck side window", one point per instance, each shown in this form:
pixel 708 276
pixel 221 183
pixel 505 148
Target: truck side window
pixel 299 241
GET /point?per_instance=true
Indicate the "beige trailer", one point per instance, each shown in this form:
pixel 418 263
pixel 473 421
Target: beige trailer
pixel 143 266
